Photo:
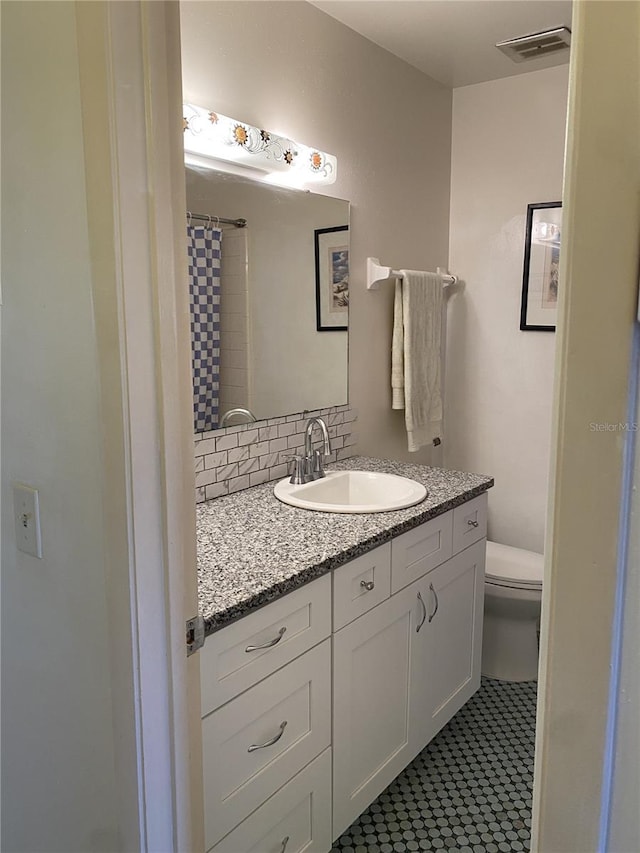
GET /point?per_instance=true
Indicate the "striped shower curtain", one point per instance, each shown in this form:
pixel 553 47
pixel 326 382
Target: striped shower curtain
pixel 204 248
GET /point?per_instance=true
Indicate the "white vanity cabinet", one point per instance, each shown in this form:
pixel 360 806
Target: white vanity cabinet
pixel 377 687
pixel 253 647
pixel 450 654
pixel 266 714
pixel 399 674
pixel 296 819
pixel 314 703
pixel 262 738
pixel 403 670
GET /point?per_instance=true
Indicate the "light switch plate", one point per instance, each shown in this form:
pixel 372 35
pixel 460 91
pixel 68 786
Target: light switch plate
pixel 26 510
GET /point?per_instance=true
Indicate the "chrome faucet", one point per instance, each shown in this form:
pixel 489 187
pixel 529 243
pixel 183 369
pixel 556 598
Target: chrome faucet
pixel 314 459
pixel 232 412
pixel 310 467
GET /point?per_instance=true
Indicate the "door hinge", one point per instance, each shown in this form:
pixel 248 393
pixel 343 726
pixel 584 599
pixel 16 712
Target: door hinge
pixel 195 634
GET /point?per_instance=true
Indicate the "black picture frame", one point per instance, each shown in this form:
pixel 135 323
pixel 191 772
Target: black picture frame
pixel 551 246
pixel 324 249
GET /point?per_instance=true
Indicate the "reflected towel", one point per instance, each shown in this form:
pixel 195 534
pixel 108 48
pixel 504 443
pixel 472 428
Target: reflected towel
pixel 416 355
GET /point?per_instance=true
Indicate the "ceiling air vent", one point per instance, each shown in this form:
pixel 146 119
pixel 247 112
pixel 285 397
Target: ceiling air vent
pixel 536 45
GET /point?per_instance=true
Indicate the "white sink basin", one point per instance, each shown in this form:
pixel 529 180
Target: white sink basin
pixel 352 491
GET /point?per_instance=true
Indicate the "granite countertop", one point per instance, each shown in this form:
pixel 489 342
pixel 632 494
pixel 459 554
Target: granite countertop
pixel 253 549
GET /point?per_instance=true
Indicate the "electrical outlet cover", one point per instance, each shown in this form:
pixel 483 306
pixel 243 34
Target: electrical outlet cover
pixel 26 510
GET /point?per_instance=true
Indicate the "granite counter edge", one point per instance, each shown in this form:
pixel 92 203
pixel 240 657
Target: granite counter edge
pixel 221 620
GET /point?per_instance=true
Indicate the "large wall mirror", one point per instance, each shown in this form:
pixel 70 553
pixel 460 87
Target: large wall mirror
pixel 269 300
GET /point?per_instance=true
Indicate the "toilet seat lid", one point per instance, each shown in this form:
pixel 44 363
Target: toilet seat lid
pixel 508 566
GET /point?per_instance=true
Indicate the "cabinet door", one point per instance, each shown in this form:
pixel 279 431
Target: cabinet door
pixel 372 706
pixel 451 639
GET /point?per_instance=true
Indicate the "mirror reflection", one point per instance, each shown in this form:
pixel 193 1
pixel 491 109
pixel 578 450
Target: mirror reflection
pixel 268 278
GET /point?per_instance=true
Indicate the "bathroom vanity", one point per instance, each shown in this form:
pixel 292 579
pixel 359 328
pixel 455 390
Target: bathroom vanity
pixel 338 646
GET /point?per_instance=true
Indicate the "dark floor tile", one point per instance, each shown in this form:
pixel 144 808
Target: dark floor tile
pixel 469 790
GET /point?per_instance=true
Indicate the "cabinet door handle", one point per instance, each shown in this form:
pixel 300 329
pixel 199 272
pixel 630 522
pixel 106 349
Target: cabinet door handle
pixel 424 613
pixel 435 595
pixel 271 742
pixel 268 645
pixel 368 585
pixel 472 523
pixel 285 841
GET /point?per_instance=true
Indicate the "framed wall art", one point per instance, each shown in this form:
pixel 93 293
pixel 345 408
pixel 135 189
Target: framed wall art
pixel 538 310
pixel 332 278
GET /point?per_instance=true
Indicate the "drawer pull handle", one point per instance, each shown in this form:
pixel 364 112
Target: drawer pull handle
pixel 472 523
pixel 285 841
pixel 268 645
pixel 271 742
pixel 424 613
pixel 368 585
pixel 435 595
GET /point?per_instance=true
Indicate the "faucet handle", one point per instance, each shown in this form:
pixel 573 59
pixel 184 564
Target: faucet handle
pixel 317 465
pixel 297 469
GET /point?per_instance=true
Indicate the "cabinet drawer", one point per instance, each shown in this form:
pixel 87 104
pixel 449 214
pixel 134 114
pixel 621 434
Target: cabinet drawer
pixel 469 523
pixel 299 812
pixel 260 740
pixel 420 550
pixel 247 651
pixel 361 584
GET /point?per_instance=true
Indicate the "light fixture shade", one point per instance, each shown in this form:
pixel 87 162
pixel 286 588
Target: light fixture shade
pixel 214 136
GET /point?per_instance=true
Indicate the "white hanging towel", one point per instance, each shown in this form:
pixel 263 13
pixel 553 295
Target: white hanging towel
pixel 416 355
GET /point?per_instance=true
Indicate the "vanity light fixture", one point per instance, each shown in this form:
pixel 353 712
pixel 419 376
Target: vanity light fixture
pixel 212 136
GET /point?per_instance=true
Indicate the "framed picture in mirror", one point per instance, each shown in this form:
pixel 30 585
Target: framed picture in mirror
pixel 539 306
pixel 332 278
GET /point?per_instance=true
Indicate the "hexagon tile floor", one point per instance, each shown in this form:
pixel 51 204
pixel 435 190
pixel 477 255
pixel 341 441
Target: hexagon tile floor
pixel 468 791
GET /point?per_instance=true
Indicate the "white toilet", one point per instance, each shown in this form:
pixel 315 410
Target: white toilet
pixel 512 597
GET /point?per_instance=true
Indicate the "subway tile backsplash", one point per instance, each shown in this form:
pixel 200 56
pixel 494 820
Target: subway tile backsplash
pixel 235 458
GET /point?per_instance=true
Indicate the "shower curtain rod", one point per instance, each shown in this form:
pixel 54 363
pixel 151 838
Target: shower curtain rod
pixel 217 220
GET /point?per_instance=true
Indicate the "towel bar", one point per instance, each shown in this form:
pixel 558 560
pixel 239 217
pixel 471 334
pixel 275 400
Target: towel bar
pixel 376 274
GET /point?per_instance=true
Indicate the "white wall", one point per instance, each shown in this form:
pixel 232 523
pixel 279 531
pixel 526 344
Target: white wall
pixel 389 126
pixel 58 778
pixel 507 152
